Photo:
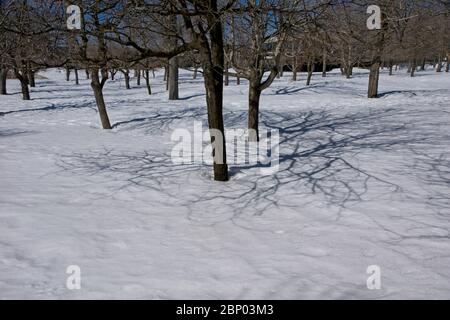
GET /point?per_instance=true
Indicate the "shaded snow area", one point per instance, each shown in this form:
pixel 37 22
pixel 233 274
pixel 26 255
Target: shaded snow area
pixel 361 182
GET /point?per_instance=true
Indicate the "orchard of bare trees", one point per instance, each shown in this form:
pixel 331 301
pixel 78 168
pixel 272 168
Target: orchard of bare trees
pixel 252 40
pixel 224 149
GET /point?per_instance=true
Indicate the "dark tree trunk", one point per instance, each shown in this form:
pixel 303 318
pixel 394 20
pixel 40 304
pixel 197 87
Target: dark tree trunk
pixel 439 64
pixel 77 79
pixel 424 62
pixel 166 76
pixel 32 78
pixel 112 72
pixel 238 81
pixel 227 78
pixel 349 72
pixel 88 76
pixel 138 78
pixel 195 73
pixel 324 64
pixel 213 59
pixel 374 77
pixel 294 69
pixel 25 89
pixel 413 67
pixel 30 75
pixel 23 84
pixel 126 73
pixel 173 79
pixel 254 95
pixel 147 81
pixel 391 67
pixel 3 77
pixel 447 67
pixel 67 74
pixel 311 67
pixel 97 87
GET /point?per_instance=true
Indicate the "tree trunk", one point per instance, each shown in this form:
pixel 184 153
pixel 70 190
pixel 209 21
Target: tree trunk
pixel 294 69
pixel 25 89
pixel 254 95
pixel 238 81
pixel 422 67
pixel 147 81
pixel 391 67
pixel 413 67
pixel 113 74
pixel 166 76
pixel 227 78
pixel 32 78
pixel 30 75
pixel 374 77
pixel 67 74
pixel 447 67
pixel 439 64
pixel 126 73
pixel 173 79
pixel 195 73
pixel 324 64
pixel 77 79
pixel 3 77
pixel 98 93
pixel 23 84
pixel 311 67
pixel 22 77
pixel 88 76
pixel 349 72
pixel 213 63
pixel 138 77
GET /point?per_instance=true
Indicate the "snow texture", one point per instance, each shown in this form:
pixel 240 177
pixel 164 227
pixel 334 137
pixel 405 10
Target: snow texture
pixel 361 182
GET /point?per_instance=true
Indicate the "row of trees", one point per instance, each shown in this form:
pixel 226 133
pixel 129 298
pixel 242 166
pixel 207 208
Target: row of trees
pixel 253 39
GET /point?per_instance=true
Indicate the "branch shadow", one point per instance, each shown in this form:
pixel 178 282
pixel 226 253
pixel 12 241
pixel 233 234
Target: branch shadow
pixel 192 96
pixel 319 161
pixel 12 132
pixel 55 107
pixel 160 119
pixel 288 90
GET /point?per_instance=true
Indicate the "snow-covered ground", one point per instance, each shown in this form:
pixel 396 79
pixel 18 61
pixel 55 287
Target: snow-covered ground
pixel 361 182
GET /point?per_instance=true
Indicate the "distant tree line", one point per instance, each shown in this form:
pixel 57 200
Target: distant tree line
pixel 255 40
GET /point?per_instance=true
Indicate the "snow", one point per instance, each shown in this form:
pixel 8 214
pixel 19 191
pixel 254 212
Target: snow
pixel 361 182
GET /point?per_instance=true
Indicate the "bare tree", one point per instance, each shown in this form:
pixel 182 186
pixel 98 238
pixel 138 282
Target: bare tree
pixel 266 25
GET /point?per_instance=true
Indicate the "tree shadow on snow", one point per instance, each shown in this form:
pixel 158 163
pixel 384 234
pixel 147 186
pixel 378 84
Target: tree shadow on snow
pixel 323 156
pixel 55 107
